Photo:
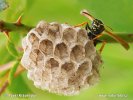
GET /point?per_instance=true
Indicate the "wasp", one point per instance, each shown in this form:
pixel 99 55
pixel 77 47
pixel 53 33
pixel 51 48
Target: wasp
pixel 95 31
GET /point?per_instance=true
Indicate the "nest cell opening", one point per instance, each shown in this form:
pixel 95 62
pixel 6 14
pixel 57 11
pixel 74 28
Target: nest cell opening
pixel 46 46
pixel 68 67
pixel 61 51
pixel 52 63
pixel 54 66
pixel 77 54
pixel 54 31
pixel 32 38
pixel 33 55
pixel 89 49
pixel 42 27
pixel 82 36
pixel 69 35
pixel 85 68
pixel 94 78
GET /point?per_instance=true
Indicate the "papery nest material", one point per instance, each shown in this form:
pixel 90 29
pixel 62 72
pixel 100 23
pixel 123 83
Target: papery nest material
pixel 60 58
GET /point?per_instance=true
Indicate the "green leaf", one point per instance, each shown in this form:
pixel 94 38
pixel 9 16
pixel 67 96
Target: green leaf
pixel 19 86
pixel 12 71
pixel 15 37
pixel 11 49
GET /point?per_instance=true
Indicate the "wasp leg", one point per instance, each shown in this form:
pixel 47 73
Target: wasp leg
pixel 87 27
pixel 98 36
pixel 103 45
pixel 82 24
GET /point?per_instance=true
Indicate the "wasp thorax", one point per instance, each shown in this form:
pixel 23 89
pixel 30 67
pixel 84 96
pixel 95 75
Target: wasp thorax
pixel 60 58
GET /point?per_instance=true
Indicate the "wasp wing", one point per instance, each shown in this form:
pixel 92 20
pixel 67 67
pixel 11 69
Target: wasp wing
pixel 118 39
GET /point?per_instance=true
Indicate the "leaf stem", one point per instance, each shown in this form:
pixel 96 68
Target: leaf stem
pixel 22 28
pixel 13 27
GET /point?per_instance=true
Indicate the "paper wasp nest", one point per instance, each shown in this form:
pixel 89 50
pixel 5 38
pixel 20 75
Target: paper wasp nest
pixel 60 58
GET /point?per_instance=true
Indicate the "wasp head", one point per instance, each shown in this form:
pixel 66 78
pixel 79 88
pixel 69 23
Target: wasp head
pixel 97 26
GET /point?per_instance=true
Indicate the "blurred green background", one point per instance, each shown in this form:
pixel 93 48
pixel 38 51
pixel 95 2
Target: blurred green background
pixel 117 70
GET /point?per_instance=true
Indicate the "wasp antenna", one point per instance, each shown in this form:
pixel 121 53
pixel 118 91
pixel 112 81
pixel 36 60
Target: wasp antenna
pixel 87 14
pixel 84 10
pixel 118 39
pixel 18 22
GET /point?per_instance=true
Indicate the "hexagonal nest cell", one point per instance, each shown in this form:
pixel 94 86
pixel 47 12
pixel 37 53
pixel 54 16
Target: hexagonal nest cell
pixel 60 58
